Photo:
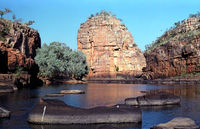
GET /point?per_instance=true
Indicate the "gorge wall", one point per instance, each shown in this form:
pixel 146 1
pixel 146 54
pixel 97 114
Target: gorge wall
pixel 176 52
pixel 18 44
pixel 109 47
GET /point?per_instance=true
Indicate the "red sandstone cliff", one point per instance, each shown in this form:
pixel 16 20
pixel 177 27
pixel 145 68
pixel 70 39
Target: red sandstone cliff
pixel 18 44
pixel 176 52
pixel 109 47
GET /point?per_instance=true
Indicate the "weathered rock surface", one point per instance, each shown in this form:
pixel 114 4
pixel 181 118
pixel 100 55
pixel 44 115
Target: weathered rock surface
pixel 176 52
pixel 13 59
pixel 57 112
pixel 109 47
pixel 107 127
pixel 4 113
pixel 153 99
pixel 19 36
pixel 18 44
pixel 178 123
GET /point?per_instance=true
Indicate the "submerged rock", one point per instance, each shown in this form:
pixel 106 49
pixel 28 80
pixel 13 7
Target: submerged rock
pixel 153 99
pixel 178 123
pixel 57 112
pixel 72 92
pixel 4 113
pixel 6 89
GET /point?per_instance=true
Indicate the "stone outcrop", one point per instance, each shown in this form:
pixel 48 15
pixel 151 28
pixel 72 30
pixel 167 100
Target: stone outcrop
pixel 178 123
pixel 4 113
pixel 57 112
pixel 176 52
pixel 19 36
pixel 13 59
pixel 154 99
pixel 109 47
pixel 18 44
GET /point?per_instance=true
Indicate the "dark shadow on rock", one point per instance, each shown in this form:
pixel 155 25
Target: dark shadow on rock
pixel 57 112
pixel 92 126
pixel 160 108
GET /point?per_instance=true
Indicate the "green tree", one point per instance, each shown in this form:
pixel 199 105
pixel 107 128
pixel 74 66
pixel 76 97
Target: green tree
pixel 29 23
pixel 78 65
pixel 2 13
pixel 57 59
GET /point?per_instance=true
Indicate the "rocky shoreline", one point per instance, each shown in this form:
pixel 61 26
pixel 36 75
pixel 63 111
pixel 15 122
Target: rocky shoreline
pixel 8 83
pixel 155 81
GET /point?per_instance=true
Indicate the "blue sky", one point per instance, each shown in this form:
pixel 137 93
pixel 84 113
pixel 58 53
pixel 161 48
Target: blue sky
pixel 59 20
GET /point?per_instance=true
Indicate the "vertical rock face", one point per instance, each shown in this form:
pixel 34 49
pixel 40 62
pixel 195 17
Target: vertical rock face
pixel 176 52
pixel 18 44
pixel 109 47
pixel 19 36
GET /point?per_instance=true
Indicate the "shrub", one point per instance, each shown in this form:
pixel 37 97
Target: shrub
pixel 57 59
pixel 19 71
pixel 117 69
pixel 29 23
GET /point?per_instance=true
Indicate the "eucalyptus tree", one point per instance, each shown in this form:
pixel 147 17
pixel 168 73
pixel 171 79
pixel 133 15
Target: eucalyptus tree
pixel 58 59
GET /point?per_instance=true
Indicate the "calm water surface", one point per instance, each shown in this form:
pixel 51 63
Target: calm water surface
pixel 21 103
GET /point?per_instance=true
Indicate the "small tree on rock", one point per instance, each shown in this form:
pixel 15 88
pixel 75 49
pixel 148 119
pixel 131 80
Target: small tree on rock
pixel 2 13
pixel 29 23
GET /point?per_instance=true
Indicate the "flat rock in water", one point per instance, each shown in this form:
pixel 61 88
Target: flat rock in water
pixel 72 92
pixel 177 123
pixel 6 89
pixel 54 95
pixel 4 113
pixel 154 99
pixel 57 112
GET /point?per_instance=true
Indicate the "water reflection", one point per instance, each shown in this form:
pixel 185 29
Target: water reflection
pixel 109 94
pixel 22 102
pixel 189 91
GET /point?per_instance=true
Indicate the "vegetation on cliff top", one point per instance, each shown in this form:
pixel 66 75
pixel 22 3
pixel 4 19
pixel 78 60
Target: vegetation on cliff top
pixel 11 16
pixel 178 32
pixel 57 59
pixel 7 23
pixel 106 16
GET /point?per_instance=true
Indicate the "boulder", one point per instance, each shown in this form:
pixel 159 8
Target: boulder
pixel 178 123
pixel 154 99
pixel 57 112
pixel 4 113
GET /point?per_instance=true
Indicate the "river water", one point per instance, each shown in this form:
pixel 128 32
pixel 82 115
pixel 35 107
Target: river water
pixel 21 103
